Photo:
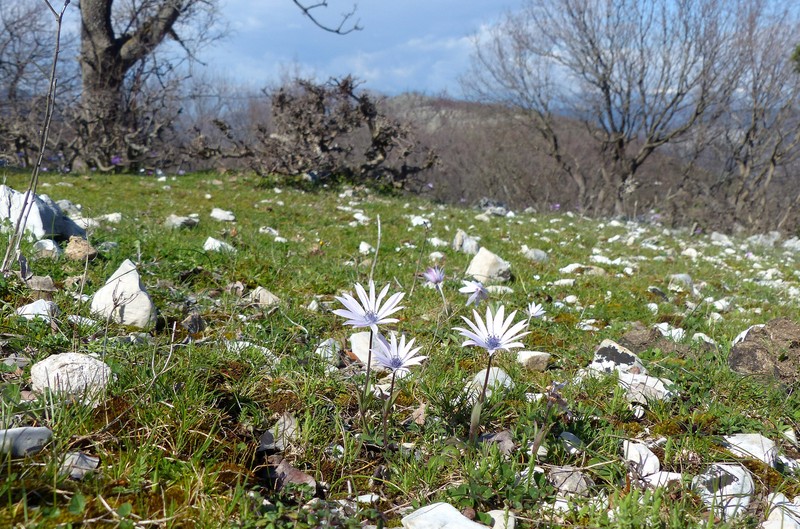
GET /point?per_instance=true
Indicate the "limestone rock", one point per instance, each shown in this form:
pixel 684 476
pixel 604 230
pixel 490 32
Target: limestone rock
pixel 176 222
pixel 222 215
pixel 570 479
pixel 534 254
pixel 39 309
pixel 772 351
pixel 71 375
pixel 752 445
pixel 727 488
pixel 123 299
pixel 533 360
pixel 486 266
pixel 215 245
pixel 611 356
pixel 79 249
pixel 498 379
pixel 465 244
pixel 262 296
pixel 77 465
pixel 24 441
pixel 46 249
pixel 45 219
pixel 439 516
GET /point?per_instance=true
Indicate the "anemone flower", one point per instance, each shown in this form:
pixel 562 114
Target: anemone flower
pixel 535 310
pixel 434 277
pixel 495 333
pixel 398 358
pixel 477 292
pixel 370 312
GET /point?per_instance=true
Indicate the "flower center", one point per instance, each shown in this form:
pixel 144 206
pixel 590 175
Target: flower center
pixel 371 317
pixel 493 342
pixel 395 363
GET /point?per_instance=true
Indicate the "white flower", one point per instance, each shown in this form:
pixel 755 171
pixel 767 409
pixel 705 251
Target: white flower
pixel 535 310
pixel 369 313
pixel 477 292
pixel 495 333
pixel 395 357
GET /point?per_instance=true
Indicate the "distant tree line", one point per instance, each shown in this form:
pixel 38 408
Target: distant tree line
pixel 684 110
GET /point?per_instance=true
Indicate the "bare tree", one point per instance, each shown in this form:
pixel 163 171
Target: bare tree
pixel 759 132
pixel 637 73
pixel 122 52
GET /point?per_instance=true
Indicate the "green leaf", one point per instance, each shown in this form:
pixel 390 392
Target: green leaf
pixel 77 504
pixel 125 509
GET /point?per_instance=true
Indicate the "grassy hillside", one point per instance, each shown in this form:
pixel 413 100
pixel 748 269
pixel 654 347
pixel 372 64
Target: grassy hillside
pixel 178 431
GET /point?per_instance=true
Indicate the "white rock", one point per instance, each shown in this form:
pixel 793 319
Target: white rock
pixel 725 487
pixel 175 222
pixel 465 244
pixel 564 282
pixel 752 445
pixel 533 360
pixel 71 375
pixel 45 217
pixel 534 254
pixel 570 479
pixel 486 266
pixel 499 289
pixel 417 220
pixel 653 307
pixel 39 309
pixel 24 441
pixel 439 516
pixel 222 215
pixel 77 464
pixel 263 297
pixel 124 299
pixel 359 346
pixel 611 356
pixel 643 388
pixel 329 350
pixel 721 239
pixel 110 218
pixel 782 513
pixel 676 334
pixel 571 443
pixel 365 248
pixel 503 519
pixel 498 379
pixel 215 245
pixel 46 249
pixel 642 457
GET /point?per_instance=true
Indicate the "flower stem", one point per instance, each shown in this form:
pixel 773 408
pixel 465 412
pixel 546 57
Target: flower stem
pixel 366 382
pixel 386 412
pixel 475 418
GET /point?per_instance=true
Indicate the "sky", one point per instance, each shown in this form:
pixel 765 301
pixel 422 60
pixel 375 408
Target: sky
pixel 405 45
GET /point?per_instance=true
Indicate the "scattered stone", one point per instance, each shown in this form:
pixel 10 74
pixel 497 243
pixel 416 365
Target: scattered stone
pixel 611 356
pixel 107 247
pixel 642 388
pixel 681 283
pixel 71 375
pixel 45 219
pixel 222 215
pixel 278 437
pixel 46 249
pixel 793 244
pixel 111 218
pixel 365 248
pixel 571 443
pixel 725 487
pixel 176 222
pixel 533 360
pixel 124 299
pixel 772 351
pixel 79 249
pixel 329 350
pixel 646 468
pixel 581 269
pixel 534 254
pixel 194 324
pixel 262 296
pixel 498 379
pixel 781 513
pixel 359 347
pixel 721 239
pixel 77 464
pixel 465 244
pixel 486 267
pixel 439 516
pixel 503 440
pixel 285 473
pixel 754 446
pixel 764 240
pixel 40 308
pixel 503 519
pixel 215 245
pixel 499 289
pixel 570 479
pixel 24 441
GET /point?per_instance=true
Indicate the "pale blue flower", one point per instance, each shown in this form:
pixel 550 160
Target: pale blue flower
pixel 370 312
pixel 495 333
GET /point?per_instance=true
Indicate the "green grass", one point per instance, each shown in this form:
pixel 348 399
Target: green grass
pixel 178 429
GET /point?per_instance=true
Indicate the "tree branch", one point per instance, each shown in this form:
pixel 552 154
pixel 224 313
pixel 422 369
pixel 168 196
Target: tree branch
pixel 341 29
